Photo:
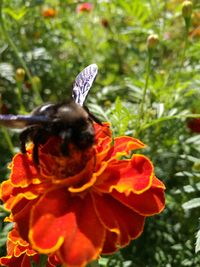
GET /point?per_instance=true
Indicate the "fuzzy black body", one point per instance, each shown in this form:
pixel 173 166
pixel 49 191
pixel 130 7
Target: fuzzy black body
pixel 70 120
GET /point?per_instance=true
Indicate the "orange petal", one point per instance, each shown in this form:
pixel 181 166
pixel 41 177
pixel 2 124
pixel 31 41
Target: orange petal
pixel 21 215
pixel 111 243
pixel 148 203
pixel 23 171
pixel 124 145
pixel 157 183
pixel 67 224
pixel 127 176
pixel 102 131
pixel 6 190
pixel 119 219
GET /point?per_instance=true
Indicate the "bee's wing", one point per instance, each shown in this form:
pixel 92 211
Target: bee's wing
pixel 83 83
pixel 20 121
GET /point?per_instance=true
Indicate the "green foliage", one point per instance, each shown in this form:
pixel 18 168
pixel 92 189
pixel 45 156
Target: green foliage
pixel 113 35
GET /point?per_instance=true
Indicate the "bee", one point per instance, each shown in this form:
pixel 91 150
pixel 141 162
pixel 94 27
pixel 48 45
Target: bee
pixel 70 120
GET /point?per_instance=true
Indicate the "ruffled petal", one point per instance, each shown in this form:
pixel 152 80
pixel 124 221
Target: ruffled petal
pixel 127 176
pixel 148 203
pixel 123 146
pixel 23 171
pixel 19 252
pixel 111 243
pixel 118 219
pixel 68 225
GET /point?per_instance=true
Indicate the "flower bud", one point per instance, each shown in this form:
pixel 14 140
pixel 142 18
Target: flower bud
pixel 196 166
pixel 36 81
pixel 187 9
pixel 19 75
pixel 152 41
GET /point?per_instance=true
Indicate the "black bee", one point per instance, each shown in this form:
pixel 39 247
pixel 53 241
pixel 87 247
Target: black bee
pixel 69 120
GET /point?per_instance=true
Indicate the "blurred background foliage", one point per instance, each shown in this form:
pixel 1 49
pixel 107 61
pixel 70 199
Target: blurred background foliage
pixel 57 39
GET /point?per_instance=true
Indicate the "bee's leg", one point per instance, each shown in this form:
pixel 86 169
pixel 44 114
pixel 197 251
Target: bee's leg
pixel 38 138
pixel 35 153
pixel 66 137
pixel 24 136
pixel 92 116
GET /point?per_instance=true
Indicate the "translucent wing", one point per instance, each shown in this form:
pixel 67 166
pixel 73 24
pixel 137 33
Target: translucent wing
pixel 21 121
pixel 83 83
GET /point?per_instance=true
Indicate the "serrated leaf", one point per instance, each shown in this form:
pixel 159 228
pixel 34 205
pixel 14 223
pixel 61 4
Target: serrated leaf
pixel 191 204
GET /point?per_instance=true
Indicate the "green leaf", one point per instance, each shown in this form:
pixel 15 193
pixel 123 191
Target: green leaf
pixel 197 247
pixel 191 204
pixel 16 15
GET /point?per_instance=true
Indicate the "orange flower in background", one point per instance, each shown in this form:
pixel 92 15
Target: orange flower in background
pixel 93 202
pixel 49 12
pixel 195 33
pixel 85 7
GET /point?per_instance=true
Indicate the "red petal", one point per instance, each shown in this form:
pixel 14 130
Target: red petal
pixel 102 149
pixel 21 215
pixel 157 183
pixel 23 171
pixel 111 243
pixel 127 176
pixel 124 145
pixel 102 131
pixel 119 219
pixel 148 203
pixel 6 190
pixel 67 224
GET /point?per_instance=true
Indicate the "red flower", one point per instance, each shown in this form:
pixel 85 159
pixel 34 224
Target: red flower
pixel 90 203
pixel 85 7
pixel 49 12
pixel 194 125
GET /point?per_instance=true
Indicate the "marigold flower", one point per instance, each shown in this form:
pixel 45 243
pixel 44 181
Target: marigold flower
pixel 90 203
pixel 85 7
pixel 49 12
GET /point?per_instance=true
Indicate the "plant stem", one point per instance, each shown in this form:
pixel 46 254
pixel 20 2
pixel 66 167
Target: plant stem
pixel 19 88
pixel 184 51
pixel 141 107
pixel 8 139
pixel 43 260
pixel 37 97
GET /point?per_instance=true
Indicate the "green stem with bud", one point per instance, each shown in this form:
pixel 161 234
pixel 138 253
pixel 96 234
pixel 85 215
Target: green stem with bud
pixel 19 95
pixel 37 97
pixel 141 107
